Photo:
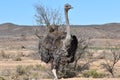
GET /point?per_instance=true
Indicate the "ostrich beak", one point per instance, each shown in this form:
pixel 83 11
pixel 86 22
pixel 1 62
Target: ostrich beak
pixel 71 8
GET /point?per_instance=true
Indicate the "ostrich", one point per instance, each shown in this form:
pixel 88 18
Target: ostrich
pixel 70 42
pixel 59 47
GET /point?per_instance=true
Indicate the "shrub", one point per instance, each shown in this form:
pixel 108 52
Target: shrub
pixel 4 55
pixel 1 78
pixel 110 63
pixel 29 67
pixel 93 74
pixel 67 72
pixel 34 75
pixel 39 67
pixel 17 59
pixel 20 70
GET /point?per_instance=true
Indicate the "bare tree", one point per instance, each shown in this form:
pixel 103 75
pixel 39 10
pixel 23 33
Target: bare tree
pixel 109 64
pixel 82 47
pixel 48 16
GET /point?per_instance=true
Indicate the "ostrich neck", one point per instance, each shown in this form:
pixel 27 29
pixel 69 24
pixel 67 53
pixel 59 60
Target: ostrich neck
pixel 67 24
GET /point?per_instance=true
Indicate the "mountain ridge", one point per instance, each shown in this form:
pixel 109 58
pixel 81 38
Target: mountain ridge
pixel 108 30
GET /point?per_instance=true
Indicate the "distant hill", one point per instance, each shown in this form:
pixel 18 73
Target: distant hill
pixel 10 29
pixel 110 30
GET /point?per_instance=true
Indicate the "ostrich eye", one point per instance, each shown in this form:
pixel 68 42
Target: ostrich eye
pixel 67 6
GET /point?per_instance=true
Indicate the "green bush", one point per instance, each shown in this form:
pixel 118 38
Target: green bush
pixel 40 67
pixel 67 72
pixel 1 78
pixel 93 74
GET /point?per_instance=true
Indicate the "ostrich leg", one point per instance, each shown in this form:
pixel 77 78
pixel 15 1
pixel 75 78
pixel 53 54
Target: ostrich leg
pixel 55 74
pixel 55 64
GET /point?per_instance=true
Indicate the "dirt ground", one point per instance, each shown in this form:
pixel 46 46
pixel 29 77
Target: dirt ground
pixel 14 48
pixel 88 79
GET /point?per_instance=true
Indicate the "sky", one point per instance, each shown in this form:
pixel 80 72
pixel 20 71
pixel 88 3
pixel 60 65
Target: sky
pixel 85 12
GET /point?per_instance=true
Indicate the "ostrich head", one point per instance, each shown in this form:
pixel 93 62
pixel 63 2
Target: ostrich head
pixel 67 7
